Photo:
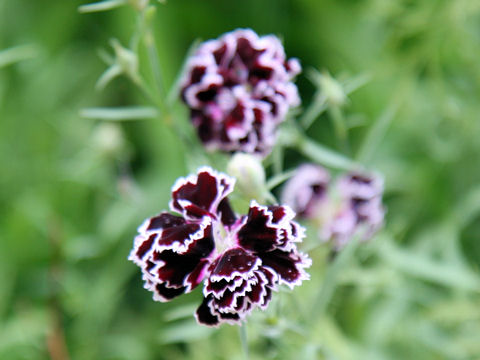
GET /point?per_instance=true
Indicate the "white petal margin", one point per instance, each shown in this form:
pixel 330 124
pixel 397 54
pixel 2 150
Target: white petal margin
pixel 224 184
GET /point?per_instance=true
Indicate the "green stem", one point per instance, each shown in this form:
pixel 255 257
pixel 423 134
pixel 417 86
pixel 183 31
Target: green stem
pixel 327 289
pixel 279 178
pixel 150 44
pixel 324 155
pixel 316 108
pixel 378 131
pixel 243 340
pixel 341 130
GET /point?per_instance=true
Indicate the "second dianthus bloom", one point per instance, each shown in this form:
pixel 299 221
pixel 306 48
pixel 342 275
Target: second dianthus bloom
pixel 239 88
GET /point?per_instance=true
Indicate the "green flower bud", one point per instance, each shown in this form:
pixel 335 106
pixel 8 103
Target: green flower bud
pixel 126 59
pixel 108 139
pixel 250 175
pixel 139 5
pixel 332 90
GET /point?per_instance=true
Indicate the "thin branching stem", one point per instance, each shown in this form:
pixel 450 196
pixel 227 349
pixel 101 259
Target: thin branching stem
pixel 244 340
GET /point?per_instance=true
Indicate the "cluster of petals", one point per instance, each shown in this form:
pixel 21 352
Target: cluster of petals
pixel 239 88
pixel 352 205
pixel 240 259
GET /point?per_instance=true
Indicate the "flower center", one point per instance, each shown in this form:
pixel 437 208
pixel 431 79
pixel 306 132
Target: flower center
pixel 222 237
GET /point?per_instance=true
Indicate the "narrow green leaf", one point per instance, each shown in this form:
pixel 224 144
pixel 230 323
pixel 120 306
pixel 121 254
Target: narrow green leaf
pixel 377 132
pixel 280 178
pixel 18 53
pixel 185 331
pixel 120 113
pixel 101 6
pixel 108 75
pixel 468 208
pixel 326 156
pixel 420 266
pixel 181 312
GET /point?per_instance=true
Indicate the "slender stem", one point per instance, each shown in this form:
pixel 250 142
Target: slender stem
pixel 324 155
pixel 277 160
pixel 327 289
pixel 377 132
pixel 279 178
pixel 56 344
pixel 244 340
pixel 341 130
pixel 316 108
pixel 154 61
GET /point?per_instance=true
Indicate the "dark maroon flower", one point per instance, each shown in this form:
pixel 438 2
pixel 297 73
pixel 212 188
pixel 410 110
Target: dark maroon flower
pixel 239 88
pixel 241 260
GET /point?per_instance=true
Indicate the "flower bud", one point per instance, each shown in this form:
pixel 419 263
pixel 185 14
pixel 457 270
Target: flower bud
pixel 139 4
pixel 249 173
pixel 332 90
pixel 126 59
pixel 108 139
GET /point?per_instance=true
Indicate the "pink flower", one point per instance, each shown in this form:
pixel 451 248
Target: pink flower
pixel 240 259
pixel 351 206
pixel 306 191
pixel 239 88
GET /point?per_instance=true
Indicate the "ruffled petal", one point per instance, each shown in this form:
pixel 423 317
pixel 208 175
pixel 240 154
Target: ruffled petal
pixel 232 263
pixel 288 266
pixel 237 284
pixel 173 254
pixel 269 228
pixel 199 195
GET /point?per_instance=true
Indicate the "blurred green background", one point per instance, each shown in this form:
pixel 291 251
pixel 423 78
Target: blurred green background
pixel 73 190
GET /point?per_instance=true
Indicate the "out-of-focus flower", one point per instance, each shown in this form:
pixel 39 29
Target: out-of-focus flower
pixel 359 209
pixel 239 88
pixel 241 259
pixel 352 206
pixel 306 191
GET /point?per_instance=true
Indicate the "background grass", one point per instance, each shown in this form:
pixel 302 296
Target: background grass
pixel 73 190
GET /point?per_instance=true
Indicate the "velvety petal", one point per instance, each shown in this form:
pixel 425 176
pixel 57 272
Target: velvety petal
pixel 208 314
pixel 289 266
pixel 261 290
pixel 232 263
pixel 204 314
pixel 168 274
pixel 173 254
pixel 182 239
pixel 149 232
pixel 163 293
pixel 142 246
pixel 231 292
pixel 199 195
pixel 268 228
pixel 174 269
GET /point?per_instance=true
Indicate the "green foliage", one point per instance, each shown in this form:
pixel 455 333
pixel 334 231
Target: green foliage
pixel 78 177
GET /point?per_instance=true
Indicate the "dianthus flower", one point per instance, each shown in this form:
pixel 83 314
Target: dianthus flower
pixel 307 190
pixel 351 206
pixel 361 196
pixel 240 259
pixel 239 88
